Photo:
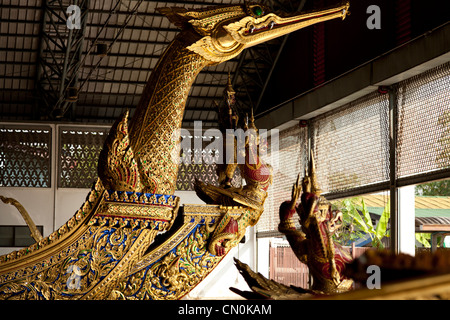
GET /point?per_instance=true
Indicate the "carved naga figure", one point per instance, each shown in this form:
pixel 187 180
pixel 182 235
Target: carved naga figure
pixel 313 244
pixel 256 173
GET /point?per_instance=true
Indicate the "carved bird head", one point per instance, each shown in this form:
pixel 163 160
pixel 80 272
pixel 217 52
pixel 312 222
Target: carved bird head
pixel 224 31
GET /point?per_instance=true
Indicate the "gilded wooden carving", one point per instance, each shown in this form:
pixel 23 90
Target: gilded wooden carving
pixel 129 240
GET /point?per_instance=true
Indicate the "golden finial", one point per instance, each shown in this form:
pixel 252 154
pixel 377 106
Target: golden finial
pixel 229 88
pixel 252 121
pixel 229 93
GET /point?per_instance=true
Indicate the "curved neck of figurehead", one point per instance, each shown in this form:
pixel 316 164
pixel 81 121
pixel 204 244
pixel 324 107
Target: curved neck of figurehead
pixel 167 87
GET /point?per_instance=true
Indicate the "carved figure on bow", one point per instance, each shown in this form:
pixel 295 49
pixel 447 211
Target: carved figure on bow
pixel 313 244
pixel 256 173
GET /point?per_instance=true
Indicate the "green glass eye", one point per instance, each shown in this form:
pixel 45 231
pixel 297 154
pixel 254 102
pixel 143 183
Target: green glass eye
pixel 258 11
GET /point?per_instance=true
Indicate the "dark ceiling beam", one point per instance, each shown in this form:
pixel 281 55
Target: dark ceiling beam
pixel 25 93
pixel 188 106
pixel 93 106
pixel 127 55
pixel 94 25
pixel 150 28
pixel 59 57
pixel 111 119
pixel 30 7
pixel 143 83
pixel 119 12
pixel 100 95
pixel 37 93
pixel 107 67
pixel 102 40
pixel 22 92
pixel 122 106
pixel 18 103
pixel 125 68
pixel 17 77
pixel 118 94
pixel 83 105
pixel 34 36
pixel 182 2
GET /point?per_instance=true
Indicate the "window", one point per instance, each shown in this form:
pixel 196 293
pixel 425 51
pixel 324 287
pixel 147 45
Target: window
pixel 424 124
pixel 17 236
pixel 352 150
pixel 351 144
pixel 78 154
pixel 25 157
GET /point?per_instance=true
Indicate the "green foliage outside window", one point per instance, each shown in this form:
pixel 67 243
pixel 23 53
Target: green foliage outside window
pixel 357 222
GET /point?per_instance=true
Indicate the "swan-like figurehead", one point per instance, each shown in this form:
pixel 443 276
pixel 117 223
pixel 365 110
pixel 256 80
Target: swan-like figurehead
pixel 226 31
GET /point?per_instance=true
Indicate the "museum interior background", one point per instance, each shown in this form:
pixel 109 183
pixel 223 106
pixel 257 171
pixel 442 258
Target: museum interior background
pixel 369 97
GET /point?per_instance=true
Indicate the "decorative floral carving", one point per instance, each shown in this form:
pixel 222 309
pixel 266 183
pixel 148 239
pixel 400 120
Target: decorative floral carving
pixel 175 274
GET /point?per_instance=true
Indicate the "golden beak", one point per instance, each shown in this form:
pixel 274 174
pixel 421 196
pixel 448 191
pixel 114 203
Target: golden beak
pixel 252 31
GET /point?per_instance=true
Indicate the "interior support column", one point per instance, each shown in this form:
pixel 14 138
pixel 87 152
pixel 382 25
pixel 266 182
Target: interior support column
pixel 394 219
pixel 402 200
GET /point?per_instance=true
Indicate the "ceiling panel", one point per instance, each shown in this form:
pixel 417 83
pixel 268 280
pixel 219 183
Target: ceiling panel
pixel 110 84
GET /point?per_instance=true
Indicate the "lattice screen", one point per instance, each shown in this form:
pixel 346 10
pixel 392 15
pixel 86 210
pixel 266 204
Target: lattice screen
pixel 287 163
pixel 424 123
pixel 25 156
pixel 203 166
pixel 188 172
pixel 351 144
pixel 79 149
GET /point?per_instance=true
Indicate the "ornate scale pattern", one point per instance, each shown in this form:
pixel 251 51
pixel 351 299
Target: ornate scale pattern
pixel 154 133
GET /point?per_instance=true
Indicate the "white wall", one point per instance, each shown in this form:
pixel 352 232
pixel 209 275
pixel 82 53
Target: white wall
pixel 46 207
pixel 188 197
pixel 263 259
pixel 67 203
pixel 37 201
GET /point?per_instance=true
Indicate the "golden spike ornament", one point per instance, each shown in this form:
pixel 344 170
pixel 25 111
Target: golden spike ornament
pixel 132 239
pixel 117 164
